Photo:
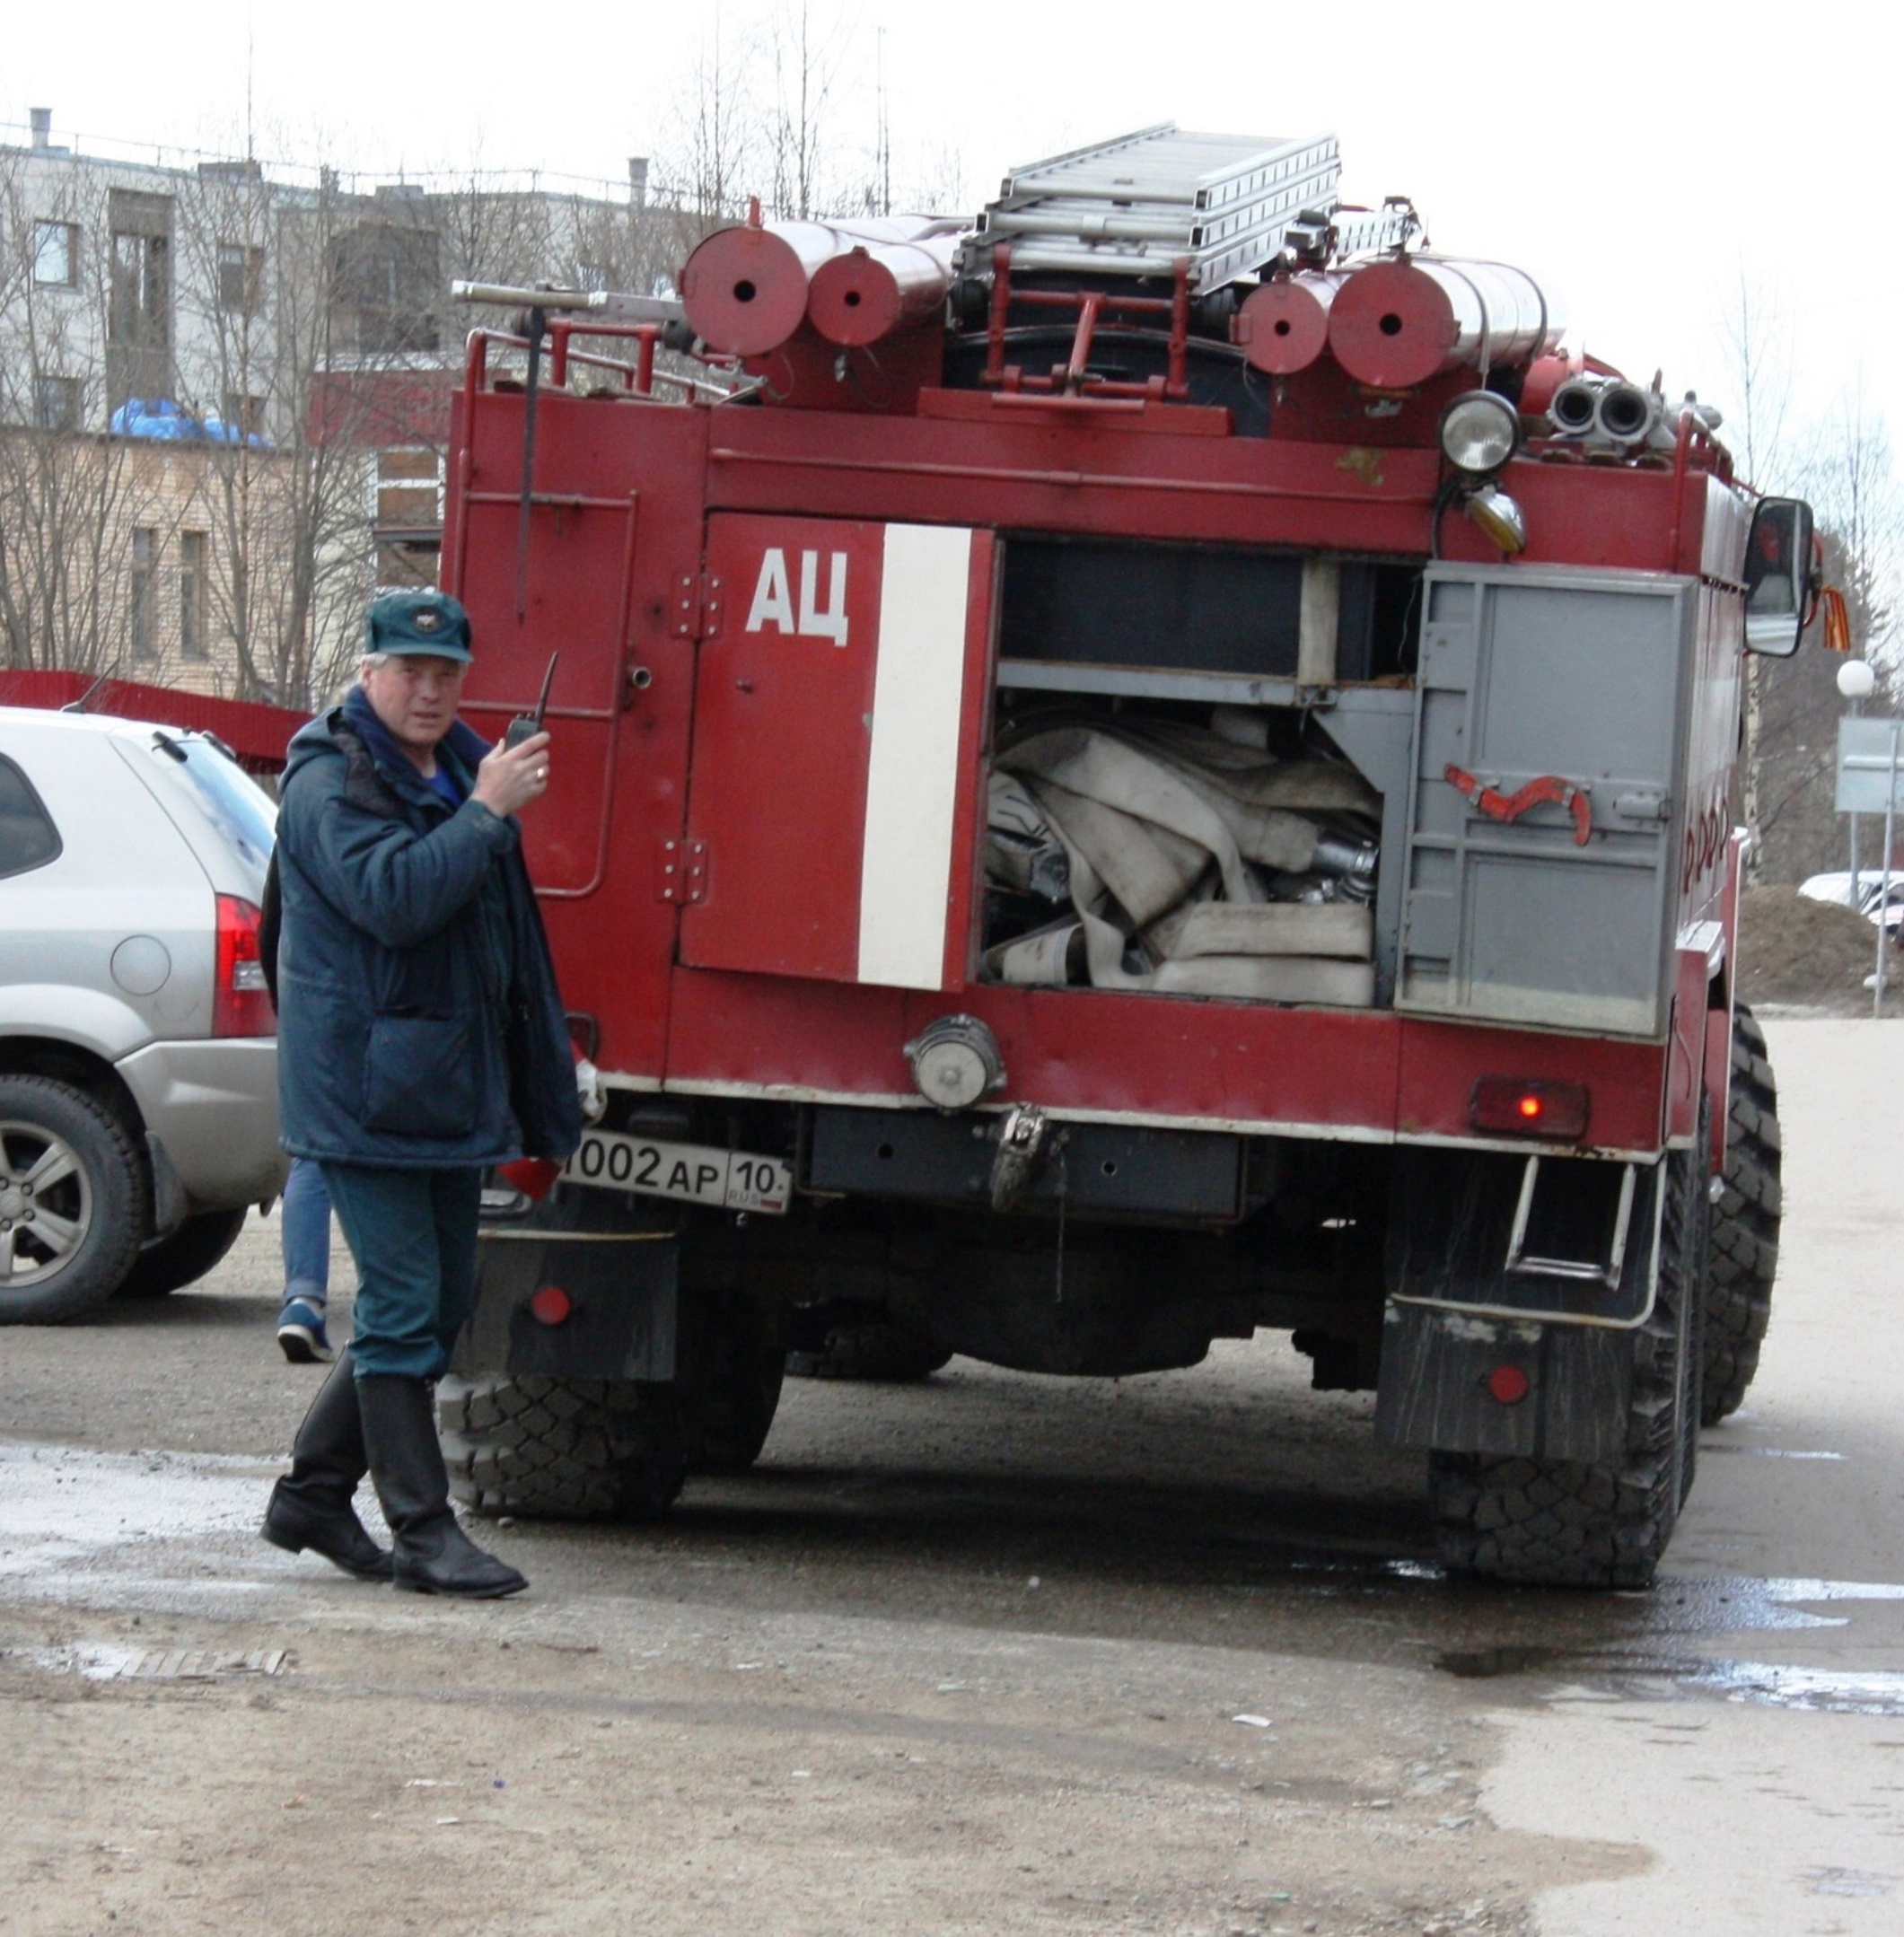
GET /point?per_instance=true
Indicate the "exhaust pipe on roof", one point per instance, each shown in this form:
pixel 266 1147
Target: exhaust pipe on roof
pixel 1574 409
pixel 1624 414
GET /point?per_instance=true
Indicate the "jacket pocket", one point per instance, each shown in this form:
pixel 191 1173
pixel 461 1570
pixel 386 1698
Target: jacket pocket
pixel 420 1077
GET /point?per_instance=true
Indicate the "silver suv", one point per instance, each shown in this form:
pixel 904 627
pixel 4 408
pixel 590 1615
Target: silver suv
pixel 138 1052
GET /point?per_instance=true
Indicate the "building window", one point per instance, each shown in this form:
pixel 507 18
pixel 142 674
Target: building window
pixel 139 614
pixel 409 493
pixel 240 278
pixel 405 565
pixel 191 595
pixel 389 275
pixel 57 404
pixel 141 315
pixel 243 414
pixel 56 255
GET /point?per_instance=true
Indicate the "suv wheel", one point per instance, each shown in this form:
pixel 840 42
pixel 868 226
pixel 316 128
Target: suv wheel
pixel 193 1250
pixel 71 1202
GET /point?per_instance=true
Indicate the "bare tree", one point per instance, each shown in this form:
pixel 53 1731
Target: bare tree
pixel 1848 473
pixel 716 130
pixel 81 514
pixel 805 63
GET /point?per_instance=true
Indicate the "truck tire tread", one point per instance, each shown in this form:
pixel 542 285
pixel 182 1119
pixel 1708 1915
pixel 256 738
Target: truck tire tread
pixel 1744 1226
pixel 563 1448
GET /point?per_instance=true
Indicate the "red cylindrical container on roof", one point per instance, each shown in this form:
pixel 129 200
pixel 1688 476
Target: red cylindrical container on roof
pixel 1283 326
pixel 878 287
pixel 744 289
pixel 1396 324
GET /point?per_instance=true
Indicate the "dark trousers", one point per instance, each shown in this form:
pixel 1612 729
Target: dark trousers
pixel 413 1234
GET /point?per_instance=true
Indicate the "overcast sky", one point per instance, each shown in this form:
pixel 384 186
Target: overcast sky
pixel 1641 159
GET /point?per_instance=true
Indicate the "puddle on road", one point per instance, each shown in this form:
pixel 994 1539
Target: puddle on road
pixel 64 1503
pixel 1744 1601
pixel 162 1528
pixel 1770 1685
pixel 1836 1882
pixel 143 1529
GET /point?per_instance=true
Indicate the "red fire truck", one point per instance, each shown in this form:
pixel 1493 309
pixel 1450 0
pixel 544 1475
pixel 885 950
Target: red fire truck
pixel 1155 768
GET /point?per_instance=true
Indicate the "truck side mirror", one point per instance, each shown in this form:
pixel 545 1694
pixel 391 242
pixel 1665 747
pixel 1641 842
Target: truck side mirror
pixel 1781 579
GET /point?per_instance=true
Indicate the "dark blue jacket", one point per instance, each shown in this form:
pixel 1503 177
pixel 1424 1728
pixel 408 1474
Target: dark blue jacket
pixel 419 1024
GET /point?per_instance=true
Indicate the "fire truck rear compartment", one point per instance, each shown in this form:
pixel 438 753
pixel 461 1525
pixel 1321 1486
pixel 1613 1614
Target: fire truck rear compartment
pixel 1168 810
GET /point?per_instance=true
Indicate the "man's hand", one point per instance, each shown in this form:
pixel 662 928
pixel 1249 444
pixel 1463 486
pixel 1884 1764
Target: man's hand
pixel 510 777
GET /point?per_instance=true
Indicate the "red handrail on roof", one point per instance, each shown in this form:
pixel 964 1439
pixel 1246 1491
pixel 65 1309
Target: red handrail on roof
pixel 258 734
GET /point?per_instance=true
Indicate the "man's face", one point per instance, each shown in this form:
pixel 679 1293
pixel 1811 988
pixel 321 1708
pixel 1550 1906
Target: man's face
pixel 415 696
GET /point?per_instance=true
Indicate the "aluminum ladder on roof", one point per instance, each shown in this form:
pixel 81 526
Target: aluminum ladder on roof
pixel 1133 205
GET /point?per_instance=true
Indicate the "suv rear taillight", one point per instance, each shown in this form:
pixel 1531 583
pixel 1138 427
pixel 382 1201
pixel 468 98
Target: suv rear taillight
pixel 240 1002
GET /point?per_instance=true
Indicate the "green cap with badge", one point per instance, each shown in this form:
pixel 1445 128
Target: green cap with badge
pixel 418 622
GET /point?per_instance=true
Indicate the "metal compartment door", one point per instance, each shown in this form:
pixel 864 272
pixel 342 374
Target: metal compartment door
pixel 581 558
pixel 1547 784
pixel 839 727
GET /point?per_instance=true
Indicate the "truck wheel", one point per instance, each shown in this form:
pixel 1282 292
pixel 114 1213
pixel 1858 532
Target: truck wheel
pixel 1558 1523
pixel 195 1247
pixel 740 1366
pixel 564 1448
pixel 1744 1226
pixel 887 1353
pixel 71 1202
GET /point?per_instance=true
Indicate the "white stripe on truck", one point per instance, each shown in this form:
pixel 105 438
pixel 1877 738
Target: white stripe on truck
pixel 912 777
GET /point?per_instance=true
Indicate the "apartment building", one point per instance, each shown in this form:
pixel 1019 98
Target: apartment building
pixel 223 394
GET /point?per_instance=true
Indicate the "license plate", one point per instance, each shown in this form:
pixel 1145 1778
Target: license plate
pixel 695 1173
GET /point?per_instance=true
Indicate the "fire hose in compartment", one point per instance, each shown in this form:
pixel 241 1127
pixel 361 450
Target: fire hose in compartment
pixel 1172 858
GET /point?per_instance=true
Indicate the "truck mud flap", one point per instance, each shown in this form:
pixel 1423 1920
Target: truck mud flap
pixel 591 1304
pixel 1512 1388
pixel 1518 1287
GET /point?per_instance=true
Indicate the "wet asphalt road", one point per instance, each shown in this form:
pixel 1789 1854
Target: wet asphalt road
pixel 1111 1601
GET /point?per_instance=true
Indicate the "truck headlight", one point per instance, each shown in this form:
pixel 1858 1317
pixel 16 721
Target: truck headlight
pixel 1499 517
pixel 1479 433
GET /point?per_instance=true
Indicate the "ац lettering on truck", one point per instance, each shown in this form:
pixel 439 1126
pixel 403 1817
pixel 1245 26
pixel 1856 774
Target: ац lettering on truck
pixel 1155 769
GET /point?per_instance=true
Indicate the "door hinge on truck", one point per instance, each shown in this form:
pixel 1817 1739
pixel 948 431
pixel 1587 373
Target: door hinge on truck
pixel 698 605
pixel 680 871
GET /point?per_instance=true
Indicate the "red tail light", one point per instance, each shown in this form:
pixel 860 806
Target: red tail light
pixel 240 1002
pixel 552 1305
pixel 1532 1105
pixel 1509 1384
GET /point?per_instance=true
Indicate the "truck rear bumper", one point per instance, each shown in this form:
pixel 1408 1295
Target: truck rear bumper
pixel 1165 1062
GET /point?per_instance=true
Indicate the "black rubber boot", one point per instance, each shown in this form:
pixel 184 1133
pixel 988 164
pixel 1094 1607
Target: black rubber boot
pixel 310 1506
pixel 434 1554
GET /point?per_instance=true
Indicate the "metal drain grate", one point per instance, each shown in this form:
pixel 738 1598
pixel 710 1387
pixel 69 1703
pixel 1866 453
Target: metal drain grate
pixel 201 1664
pixel 105 1661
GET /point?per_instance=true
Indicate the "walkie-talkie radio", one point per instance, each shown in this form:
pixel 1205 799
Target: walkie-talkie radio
pixel 526 723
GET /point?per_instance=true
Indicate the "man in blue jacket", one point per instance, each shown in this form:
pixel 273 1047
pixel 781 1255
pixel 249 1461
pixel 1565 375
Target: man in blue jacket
pixel 421 1038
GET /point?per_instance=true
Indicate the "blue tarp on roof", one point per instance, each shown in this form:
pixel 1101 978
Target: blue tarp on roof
pixel 162 421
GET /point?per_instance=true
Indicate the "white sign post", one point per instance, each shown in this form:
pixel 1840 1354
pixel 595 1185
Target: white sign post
pixel 1867 783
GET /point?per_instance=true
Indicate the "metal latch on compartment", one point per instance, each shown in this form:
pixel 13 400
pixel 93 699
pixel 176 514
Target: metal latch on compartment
pixel 1024 1147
